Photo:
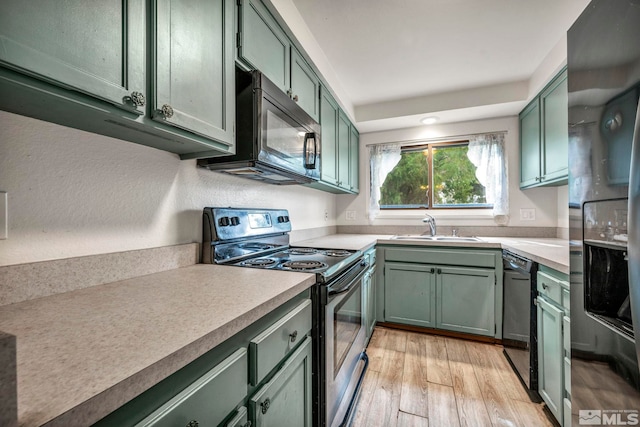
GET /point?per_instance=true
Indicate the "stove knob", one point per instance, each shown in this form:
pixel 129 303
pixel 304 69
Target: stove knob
pixel 224 221
pixel 235 220
pixel 280 219
pixel 286 219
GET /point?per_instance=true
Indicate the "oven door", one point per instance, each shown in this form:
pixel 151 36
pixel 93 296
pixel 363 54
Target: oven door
pixel 345 343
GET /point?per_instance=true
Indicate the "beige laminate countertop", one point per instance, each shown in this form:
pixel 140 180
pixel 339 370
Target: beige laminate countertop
pixel 82 354
pixel 553 253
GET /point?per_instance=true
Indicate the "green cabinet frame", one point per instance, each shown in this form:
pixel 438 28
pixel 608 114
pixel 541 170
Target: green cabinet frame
pixel 544 136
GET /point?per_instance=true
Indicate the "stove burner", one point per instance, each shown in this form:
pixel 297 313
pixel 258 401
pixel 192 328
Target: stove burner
pixel 301 251
pixel 256 246
pixel 303 265
pixel 259 262
pixel 337 253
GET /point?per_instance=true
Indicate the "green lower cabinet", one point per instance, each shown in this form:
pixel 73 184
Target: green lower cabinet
pixel 550 356
pixel 208 400
pixel 466 300
pixel 286 400
pixel 410 294
pixel 241 419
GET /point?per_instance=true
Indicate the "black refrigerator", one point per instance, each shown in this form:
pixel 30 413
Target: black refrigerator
pixel 603 63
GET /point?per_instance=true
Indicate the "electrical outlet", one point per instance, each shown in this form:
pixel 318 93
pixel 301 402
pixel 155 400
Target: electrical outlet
pixel 350 215
pixel 326 215
pixel 527 214
pixel 4 223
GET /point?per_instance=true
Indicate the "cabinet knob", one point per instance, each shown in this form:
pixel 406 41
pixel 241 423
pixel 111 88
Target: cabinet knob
pixel 439 271
pixel 137 98
pixel 248 424
pixel 433 270
pixel 293 336
pixel 544 286
pixel 193 423
pixel 295 98
pixel 289 93
pixel 167 111
pixel 265 405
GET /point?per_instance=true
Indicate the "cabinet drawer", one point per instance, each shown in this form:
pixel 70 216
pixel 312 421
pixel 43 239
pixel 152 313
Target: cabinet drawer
pixel 567 375
pixel 467 258
pixel 240 420
pixel 550 287
pixel 269 348
pixel 209 399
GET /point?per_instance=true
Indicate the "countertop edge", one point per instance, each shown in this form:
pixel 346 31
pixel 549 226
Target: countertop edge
pixel 107 401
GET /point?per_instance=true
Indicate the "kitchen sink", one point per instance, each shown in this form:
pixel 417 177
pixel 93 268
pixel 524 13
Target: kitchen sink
pixel 436 238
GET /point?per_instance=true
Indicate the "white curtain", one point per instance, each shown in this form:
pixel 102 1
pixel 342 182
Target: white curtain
pixel 487 154
pixel 383 158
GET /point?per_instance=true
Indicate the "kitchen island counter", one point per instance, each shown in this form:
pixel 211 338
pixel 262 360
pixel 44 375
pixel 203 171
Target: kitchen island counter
pixel 83 354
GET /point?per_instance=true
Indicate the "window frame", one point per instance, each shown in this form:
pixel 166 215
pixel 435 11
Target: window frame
pixel 421 146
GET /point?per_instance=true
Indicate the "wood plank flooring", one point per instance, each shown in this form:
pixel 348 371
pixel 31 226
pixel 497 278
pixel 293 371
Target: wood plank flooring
pixel 419 380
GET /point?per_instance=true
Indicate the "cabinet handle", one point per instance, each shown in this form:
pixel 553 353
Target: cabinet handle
pixel 544 286
pixel 433 270
pixel 293 335
pixel 137 98
pixel 538 179
pixel 289 93
pixel 265 405
pixel 248 424
pixel 193 423
pixel 295 98
pixel 167 111
pixel 439 271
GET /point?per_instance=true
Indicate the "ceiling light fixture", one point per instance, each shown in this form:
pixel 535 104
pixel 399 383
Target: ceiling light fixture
pixel 429 120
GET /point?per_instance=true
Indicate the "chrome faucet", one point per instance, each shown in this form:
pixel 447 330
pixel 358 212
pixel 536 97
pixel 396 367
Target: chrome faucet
pixel 432 223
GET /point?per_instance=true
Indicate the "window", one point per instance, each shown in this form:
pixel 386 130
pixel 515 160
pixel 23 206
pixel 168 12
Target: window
pixel 433 176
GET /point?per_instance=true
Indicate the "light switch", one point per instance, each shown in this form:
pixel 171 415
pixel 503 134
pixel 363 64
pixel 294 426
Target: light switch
pixel 4 223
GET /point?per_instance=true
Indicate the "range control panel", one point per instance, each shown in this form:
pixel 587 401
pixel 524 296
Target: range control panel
pixel 222 224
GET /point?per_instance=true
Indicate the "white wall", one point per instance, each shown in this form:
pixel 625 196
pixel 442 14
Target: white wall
pixel 73 193
pixel 543 200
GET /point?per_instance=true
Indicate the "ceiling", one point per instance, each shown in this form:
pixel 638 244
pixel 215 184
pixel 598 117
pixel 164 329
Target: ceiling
pixel 459 60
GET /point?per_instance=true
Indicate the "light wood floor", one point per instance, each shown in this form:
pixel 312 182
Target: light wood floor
pixel 417 380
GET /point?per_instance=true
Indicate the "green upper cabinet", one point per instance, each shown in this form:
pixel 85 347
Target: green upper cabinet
pixel 263 44
pixel 530 144
pixel 344 133
pixel 96 48
pixel 194 70
pixel 329 138
pixel 339 148
pixel 544 136
pixel 90 66
pixel 305 85
pixel 354 153
pixel 555 130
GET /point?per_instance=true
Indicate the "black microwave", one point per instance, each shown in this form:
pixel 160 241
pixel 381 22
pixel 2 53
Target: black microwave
pixel 276 140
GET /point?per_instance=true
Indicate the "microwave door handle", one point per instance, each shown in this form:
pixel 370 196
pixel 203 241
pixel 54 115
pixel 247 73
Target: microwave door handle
pixel 633 222
pixel 310 163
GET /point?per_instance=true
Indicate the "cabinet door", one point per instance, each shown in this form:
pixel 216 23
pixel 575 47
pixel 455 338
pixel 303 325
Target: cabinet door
pixel 194 71
pixel 555 134
pixel 344 132
pixel 466 300
pixel 286 400
pixel 263 44
pixel 97 48
pixel 410 294
pixel 530 144
pixel 329 138
pixel 305 85
pixel 354 152
pixel 550 376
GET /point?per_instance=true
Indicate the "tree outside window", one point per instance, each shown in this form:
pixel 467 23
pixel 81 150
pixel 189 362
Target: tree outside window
pixel 433 176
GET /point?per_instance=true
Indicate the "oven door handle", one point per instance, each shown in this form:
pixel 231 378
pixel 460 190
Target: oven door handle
pixel 346 288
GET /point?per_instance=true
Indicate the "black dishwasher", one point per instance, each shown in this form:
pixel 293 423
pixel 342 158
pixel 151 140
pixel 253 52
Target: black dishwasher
pixel 519 328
